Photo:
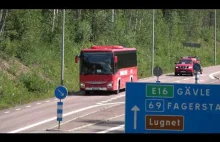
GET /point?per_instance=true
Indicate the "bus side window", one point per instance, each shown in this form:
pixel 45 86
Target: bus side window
pixel 126 59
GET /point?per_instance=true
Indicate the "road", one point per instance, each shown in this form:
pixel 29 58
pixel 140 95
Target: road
pixel 84 113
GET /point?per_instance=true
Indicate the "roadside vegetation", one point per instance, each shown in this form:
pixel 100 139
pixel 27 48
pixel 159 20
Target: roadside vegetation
pixel 31 41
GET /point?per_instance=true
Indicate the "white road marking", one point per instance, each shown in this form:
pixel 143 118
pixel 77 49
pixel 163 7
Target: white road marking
pixel 47 101
pixel 7 112
pixel 84 126
pixel 17 108
pixel 177 81
pixel 28 106
pixel 54 118
pixel 38 103
pixel 111 99
pixel 212 74
pixel 111 103
pixel 112 129
pixel 186 78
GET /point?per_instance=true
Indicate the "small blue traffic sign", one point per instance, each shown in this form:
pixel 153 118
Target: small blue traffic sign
pixel 196 67
pixel 61 92
pixel 158 71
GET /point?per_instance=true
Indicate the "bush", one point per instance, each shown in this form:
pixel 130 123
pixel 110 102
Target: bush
pixel 34 83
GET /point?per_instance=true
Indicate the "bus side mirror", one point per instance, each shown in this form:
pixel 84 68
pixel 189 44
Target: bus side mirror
pixel 76 59
pixel 115 59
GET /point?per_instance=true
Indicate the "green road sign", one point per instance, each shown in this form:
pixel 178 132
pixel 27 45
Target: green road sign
pixel 163 91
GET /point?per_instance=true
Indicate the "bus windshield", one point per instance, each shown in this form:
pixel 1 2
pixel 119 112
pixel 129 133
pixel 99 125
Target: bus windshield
pixel 96 63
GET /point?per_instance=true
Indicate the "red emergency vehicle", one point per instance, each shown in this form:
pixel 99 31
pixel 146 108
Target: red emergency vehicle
pixel 185 65
pixel 106 68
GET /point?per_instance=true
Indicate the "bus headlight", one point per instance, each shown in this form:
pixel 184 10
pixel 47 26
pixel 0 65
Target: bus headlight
pixel 82 85
pixel 109 85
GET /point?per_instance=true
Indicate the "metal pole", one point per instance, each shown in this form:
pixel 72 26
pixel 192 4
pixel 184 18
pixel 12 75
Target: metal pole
pixel 197 77
pixel 59 125
pixel 153 47
pixel 215 37
pixel 59 121
pixel 158 81
pixel 113 15
pixel 62 53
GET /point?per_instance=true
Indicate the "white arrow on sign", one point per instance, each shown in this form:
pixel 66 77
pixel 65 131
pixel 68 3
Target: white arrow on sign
pixel 62 94
pixel 135 109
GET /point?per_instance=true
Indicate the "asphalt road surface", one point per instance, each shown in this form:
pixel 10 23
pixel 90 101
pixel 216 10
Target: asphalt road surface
pixel 103 113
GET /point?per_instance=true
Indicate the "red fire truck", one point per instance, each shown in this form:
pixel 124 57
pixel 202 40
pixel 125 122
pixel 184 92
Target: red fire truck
pixel 106 68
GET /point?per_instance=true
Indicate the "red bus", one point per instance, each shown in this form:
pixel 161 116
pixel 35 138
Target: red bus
pixel 106 68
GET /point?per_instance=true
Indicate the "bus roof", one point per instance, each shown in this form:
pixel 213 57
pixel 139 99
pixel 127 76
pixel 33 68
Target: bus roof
pixel 107 48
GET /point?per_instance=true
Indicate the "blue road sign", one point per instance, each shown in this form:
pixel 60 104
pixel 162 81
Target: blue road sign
pixel 59 111
pixel 196 67
pixel 61 92
pixel 172 108
pixel 158 71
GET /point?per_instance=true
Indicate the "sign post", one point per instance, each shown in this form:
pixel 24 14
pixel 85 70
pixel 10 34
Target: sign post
pixel 59 112
pixel 157 72
pixel 196 68
pixel 172 108
pixel 61 93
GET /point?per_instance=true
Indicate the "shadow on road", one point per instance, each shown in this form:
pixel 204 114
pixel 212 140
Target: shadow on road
pixel 170 75
pixel 92 93
pixel 103 123
pixel 177 75
pixel 101 126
